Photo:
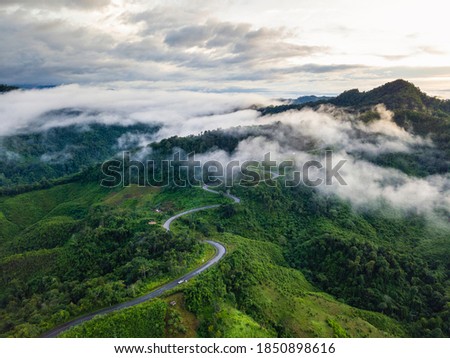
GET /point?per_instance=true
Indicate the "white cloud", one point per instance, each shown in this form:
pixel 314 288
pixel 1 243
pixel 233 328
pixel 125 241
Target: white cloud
pixel 368 183
pixel 180 112
pixel 333 127
pixel 57 4
pixel 386 125
pixel 285 47
pixel 288 135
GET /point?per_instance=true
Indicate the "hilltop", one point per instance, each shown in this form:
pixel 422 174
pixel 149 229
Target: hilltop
pixel 396 95
pixel 5 88
pixel 300 261
pixel 308 99
pixel 413 109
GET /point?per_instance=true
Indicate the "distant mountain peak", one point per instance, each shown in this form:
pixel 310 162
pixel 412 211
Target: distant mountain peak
pixel 398 84
pixel 5 88
pixel 398 94
pixel 309 99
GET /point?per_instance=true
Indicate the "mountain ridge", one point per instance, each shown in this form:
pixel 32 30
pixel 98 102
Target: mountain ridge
pixel 5 88
pixel 396 95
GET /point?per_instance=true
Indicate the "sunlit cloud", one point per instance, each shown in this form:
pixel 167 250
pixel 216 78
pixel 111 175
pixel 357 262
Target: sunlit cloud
pixel 282 47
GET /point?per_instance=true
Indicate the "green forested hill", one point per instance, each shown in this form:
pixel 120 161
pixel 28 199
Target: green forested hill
pixel 414 110
pixel 375 262
pixel 396 95
pixel 300 261
pixel 254 293
pixel 272 237
pixel 78 247
pixel 38 156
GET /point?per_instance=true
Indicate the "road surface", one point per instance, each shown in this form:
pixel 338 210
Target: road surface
pixel 227 194
pixel 166 225
pixel 220 252
pixel 169 221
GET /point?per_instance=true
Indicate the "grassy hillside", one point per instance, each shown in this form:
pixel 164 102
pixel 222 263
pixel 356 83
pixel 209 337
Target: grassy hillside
pixel 299 262
pixel 77 247
pixel 258 281
pixel 145 320
pixel 86 242
pixel 377 262
pixel 252 293
pixel 32 214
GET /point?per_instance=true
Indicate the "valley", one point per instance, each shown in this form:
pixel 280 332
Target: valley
pixel 257 258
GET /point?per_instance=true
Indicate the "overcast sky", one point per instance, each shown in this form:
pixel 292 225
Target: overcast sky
pixel 277 47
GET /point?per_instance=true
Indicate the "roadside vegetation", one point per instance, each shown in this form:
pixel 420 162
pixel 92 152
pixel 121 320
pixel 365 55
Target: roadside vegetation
pixel 299 263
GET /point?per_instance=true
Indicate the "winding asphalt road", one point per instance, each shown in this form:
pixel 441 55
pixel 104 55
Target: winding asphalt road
pixel 166 225
pixel 220 252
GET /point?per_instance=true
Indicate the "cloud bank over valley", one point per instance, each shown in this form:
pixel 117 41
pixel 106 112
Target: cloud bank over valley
pixel 291 134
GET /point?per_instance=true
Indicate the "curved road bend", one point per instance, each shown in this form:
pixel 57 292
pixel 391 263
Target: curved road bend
pixel 169 221
pixel 228 195
pixel 166 225
pixel 220 252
